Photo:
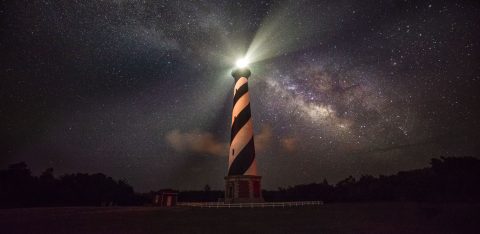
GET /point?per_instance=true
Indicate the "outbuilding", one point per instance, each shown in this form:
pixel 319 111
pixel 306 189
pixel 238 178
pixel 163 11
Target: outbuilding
pixel 166 198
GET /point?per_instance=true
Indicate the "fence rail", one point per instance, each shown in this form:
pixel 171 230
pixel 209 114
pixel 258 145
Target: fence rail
pixel 249 205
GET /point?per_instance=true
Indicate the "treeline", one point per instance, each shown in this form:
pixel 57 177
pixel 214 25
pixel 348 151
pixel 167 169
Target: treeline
pixel 448 179
pixel 18 188
pixel 451 179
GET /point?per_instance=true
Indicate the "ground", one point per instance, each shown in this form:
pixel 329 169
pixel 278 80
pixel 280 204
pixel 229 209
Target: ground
pixel 329 218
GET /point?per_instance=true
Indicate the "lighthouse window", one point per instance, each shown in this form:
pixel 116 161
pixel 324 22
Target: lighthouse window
pixel 256 188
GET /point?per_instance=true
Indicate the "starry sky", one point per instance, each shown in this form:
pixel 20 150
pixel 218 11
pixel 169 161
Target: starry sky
pixel 141 90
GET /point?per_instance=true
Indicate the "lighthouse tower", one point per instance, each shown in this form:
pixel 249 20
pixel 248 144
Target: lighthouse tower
pixel 242 184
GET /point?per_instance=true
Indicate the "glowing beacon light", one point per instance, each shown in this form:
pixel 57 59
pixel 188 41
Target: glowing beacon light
pixel 242 63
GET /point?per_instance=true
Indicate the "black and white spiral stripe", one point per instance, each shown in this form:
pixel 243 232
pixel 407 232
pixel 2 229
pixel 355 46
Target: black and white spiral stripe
pixel 242 149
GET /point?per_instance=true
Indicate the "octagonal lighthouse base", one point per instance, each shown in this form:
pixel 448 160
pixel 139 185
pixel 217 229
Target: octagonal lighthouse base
pixel 243 189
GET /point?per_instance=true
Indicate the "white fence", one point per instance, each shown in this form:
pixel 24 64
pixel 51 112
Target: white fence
pixel 250 205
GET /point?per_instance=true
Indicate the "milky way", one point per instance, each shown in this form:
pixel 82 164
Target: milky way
pixel 141 90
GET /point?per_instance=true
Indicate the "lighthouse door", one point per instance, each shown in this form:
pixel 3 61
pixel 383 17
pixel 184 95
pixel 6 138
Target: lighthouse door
pixel 230 191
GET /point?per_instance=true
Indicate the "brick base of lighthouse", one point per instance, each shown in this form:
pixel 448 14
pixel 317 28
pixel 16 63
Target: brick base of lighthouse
pixel 243 189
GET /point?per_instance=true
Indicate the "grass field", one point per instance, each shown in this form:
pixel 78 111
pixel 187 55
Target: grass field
pixel 329 218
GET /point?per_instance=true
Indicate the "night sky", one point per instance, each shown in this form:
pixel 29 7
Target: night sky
pixel 141 90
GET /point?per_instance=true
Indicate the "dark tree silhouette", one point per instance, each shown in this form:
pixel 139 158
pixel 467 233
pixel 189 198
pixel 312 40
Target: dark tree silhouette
pixel 16 185
pixel 448 179
pixel 18 188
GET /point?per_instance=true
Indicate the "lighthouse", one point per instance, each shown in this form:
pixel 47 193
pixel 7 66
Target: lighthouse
pixel 242 183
